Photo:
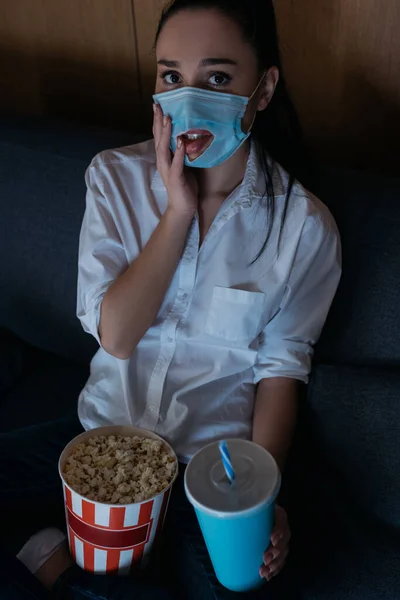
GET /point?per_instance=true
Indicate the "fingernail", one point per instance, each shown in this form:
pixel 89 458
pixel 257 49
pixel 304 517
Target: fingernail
pixel 155 108
pixel 165 120
pixel 179 144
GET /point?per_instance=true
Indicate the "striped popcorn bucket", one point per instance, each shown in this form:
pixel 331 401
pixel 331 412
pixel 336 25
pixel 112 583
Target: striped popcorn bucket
pixel 112 538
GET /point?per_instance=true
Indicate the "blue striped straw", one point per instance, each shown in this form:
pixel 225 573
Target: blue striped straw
pixel 226 461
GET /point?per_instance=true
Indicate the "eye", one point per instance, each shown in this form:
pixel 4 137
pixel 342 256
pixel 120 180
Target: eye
pixel 170 78
pixel 220 79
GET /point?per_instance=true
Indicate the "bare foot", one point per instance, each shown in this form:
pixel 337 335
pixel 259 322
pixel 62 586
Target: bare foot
pixel 55 566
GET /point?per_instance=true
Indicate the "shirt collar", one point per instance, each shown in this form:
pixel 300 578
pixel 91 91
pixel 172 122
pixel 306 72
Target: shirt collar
pixel 249 186
pixel 253 184
pixel 257 174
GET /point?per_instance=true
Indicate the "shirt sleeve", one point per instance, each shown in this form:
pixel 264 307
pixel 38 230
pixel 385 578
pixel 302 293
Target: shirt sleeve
pixel 102 257
pixel 286 344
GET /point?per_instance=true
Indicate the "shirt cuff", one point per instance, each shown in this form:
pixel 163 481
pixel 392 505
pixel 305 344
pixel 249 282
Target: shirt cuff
pixel 89 315
pixel 287 359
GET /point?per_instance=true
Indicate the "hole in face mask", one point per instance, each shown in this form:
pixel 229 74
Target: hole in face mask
pixel 196 142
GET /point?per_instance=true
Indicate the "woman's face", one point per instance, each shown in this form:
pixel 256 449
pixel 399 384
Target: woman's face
pixel 205 49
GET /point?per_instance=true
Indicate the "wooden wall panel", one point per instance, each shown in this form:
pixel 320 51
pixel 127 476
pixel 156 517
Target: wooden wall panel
pixel 70 58
pixel 93 61
pixel 147 13
pixel 342 64
pixel 342 60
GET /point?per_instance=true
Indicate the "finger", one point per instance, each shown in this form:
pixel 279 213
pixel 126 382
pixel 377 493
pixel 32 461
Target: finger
pixel 279 560
pixel 272 570
pixel 163 148
pixel 178 162
pixel 277 566
pixel 271 555
pixel 281 530
pixel 157 123
pixel 277 537
pixel 268 574
pixel 281 546
pixel 281 526
pixel 280 538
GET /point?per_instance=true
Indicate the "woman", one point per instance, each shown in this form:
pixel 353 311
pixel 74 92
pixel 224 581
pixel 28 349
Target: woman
pixel 205 273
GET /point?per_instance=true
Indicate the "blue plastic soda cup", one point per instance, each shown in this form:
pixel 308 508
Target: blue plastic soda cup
pixel 236 519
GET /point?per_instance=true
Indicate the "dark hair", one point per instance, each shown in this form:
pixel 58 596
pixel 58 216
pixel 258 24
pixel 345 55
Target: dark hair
pixel 276 129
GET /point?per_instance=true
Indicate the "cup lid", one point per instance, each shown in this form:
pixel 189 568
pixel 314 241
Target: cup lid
pixel 257 478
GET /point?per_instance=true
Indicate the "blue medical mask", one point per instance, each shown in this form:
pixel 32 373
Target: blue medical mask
pixel 219 113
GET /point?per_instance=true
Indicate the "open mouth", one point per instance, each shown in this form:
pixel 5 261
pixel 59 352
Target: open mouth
pixel 196 141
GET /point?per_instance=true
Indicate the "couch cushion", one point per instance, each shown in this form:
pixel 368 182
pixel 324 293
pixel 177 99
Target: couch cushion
pixel 364 325
pixel 351 560
pixel 56 137
pixel 344 485
pixel 11 361
pixel 47 389
pixel 42 200
pixel 354 419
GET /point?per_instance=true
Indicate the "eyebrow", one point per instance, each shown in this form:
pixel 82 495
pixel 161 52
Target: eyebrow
pixel 206 62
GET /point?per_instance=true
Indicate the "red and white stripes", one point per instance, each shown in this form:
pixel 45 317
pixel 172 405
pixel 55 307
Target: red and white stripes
pixel 108 539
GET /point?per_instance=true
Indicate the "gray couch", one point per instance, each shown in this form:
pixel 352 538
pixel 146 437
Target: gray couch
pixel 344 474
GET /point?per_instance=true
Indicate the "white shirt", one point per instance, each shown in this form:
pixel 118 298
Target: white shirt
pixel 225 323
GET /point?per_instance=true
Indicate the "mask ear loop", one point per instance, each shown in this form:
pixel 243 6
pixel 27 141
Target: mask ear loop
pixel 251 98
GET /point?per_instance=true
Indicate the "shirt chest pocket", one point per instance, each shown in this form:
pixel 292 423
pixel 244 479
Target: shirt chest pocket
pixel 235 315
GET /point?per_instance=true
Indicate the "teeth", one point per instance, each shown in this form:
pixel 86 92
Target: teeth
pixel 194 136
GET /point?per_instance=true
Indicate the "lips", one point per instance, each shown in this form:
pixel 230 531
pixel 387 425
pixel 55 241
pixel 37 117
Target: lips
pixel 196 141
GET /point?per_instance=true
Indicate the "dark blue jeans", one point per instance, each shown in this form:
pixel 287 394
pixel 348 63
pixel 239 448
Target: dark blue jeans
pixel 31 499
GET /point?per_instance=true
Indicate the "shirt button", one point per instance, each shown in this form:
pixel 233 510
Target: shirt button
pixel 170 339
pixel 185 297
pixel 152 408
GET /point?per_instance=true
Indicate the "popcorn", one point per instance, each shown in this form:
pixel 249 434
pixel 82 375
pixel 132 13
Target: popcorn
pixel 119 469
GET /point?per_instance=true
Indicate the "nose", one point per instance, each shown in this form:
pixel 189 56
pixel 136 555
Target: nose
pixel 195 84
